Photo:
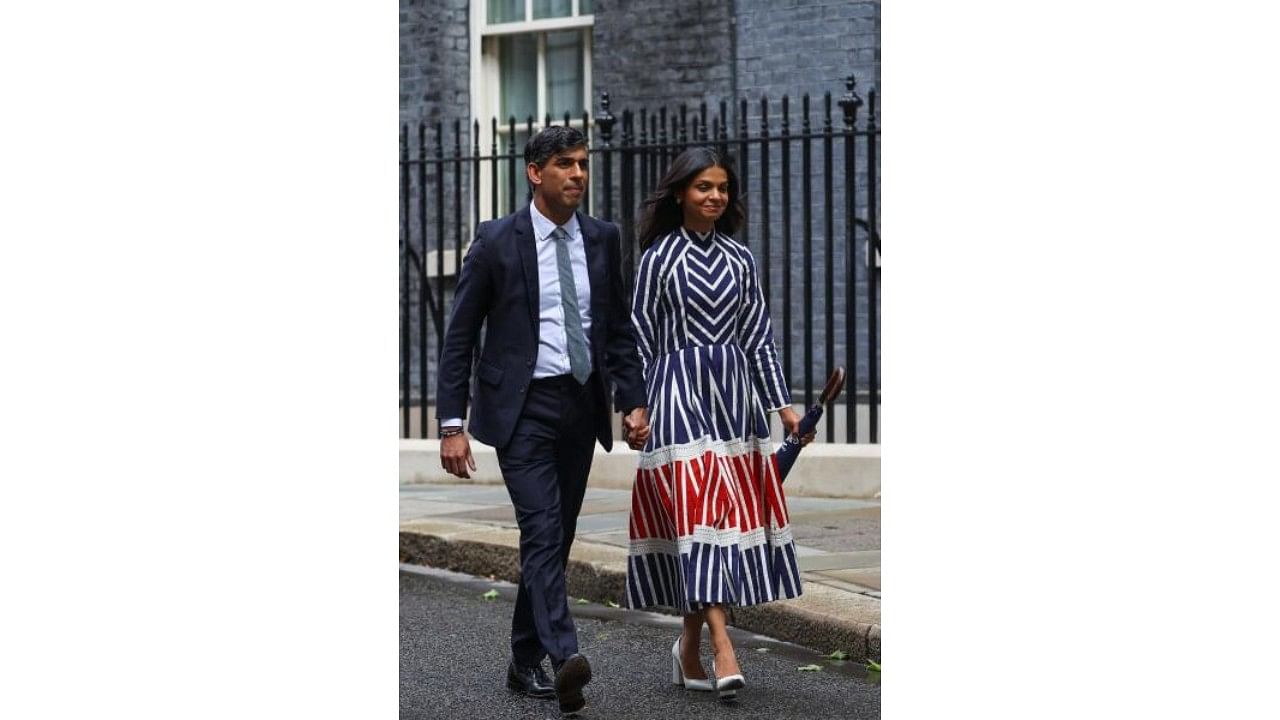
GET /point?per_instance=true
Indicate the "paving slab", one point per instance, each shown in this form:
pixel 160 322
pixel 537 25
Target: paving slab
pixel 862 577
pixel 841 560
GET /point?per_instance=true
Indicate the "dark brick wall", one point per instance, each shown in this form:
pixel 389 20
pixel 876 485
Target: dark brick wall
pixel 799 46
pixel 434 87
pixel 794 47
pixel 650 53
pixel 434 64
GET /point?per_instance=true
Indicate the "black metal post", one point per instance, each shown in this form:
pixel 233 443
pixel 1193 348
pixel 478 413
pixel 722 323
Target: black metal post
pixel 723 137
pixel 628 199
pixel 873 275
pixel 586 191
pixel 440 210
pixel 604 122
pixel 475 181
pixel 528 128
pixel 457 206
pixel 424 289
pixel 806 192
pixel 655 155
pixel 406 340
pixel 828 311
pixel 675 139
pixel 767 256
pixel 644 155
pixel 662 140
pixel 511 162
pixel 744 171
pixel 786 239
pixel 850 104
pixel 493 173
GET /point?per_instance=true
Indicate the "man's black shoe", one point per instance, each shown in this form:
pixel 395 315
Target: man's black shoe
pixel 572 675
pixel 531 681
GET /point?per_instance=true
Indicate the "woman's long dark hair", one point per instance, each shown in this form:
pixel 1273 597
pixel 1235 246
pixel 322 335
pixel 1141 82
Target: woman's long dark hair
pixel 660 213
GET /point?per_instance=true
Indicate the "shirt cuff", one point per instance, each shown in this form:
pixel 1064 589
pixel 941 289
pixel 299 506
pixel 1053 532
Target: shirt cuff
pixel 451 422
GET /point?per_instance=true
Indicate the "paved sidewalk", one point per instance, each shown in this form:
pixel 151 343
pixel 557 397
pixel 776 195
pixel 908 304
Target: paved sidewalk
pixel 472 529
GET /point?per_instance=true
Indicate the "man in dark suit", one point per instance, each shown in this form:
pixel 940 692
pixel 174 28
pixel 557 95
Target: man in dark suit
pixel 547 282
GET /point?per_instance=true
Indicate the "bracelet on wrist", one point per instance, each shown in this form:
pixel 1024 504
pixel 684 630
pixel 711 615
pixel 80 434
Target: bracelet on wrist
pixel 450 431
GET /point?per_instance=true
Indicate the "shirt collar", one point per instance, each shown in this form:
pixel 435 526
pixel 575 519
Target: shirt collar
pixel 542 227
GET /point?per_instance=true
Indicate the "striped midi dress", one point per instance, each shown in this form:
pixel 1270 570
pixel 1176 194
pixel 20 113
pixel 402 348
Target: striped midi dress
pixel 708 517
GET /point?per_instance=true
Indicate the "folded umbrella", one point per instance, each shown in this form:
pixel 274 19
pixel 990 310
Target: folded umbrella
pixel 791 446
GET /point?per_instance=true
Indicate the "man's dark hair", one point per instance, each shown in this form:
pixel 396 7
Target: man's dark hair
pixel 549 142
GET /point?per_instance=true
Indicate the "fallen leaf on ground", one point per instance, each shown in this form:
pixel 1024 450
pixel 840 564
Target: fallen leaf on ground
pixel 809 668
pixel 583 601
pixel 873 665
pixel 762 649
pixel 613 604
pixel 839 655
pixel 490 595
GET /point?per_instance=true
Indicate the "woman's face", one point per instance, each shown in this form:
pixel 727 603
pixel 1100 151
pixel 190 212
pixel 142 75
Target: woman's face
pixel 705 199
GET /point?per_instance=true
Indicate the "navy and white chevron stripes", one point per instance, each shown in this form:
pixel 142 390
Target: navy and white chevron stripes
pixel 709 520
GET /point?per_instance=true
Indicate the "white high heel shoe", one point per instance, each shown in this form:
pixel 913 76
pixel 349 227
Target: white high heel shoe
pixel 727 687
pixel 677 673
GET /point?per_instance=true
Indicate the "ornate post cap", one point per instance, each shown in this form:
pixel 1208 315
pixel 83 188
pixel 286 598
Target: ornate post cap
pixel 605 119
pixel 850 102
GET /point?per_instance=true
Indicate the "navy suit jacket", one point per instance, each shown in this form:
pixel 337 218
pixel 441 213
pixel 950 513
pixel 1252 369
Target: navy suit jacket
pixel 498 287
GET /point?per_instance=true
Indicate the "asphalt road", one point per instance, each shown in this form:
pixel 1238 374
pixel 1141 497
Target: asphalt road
pixel 453 658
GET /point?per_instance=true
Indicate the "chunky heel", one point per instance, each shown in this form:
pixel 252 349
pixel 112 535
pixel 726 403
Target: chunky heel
pixel 677 673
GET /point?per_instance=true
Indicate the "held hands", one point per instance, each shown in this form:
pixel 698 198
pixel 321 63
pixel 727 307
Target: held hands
pixel 455 455
pixel 635 428
pixel 791 425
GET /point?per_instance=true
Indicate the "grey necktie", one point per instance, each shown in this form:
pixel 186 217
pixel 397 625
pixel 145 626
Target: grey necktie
pixel 579 364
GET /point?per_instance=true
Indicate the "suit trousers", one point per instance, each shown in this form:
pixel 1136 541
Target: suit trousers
pixel 545 468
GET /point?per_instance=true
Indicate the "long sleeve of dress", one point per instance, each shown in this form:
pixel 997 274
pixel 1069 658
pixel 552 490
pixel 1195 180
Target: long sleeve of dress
pixel 755 334
pixel 644 309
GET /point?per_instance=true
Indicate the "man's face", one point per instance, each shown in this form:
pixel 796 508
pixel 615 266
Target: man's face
pixel 562 181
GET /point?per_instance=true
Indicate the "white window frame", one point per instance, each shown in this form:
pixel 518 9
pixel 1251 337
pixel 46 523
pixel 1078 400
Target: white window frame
pixel 485 82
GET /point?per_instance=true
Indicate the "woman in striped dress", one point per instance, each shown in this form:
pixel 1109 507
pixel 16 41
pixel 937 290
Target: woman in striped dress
pixel 708 518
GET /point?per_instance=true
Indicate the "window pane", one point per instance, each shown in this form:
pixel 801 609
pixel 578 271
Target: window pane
pixel 518 73
pixel 586 7
pixel 501 11
pixel 552 8
pixel 564 73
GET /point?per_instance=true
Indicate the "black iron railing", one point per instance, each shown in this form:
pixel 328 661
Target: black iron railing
pixel 845 282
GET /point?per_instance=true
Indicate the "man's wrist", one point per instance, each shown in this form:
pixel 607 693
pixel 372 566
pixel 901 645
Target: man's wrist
pixel 450 427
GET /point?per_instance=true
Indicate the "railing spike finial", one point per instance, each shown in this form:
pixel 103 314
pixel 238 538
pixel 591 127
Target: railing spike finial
pixel 605 119
pixel 850 102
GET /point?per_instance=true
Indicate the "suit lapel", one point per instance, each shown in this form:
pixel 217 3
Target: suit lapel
pixel 529 260
pixel 597 268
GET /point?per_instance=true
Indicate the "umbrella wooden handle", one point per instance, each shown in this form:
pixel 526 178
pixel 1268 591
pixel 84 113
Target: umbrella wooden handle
pixel 835 384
